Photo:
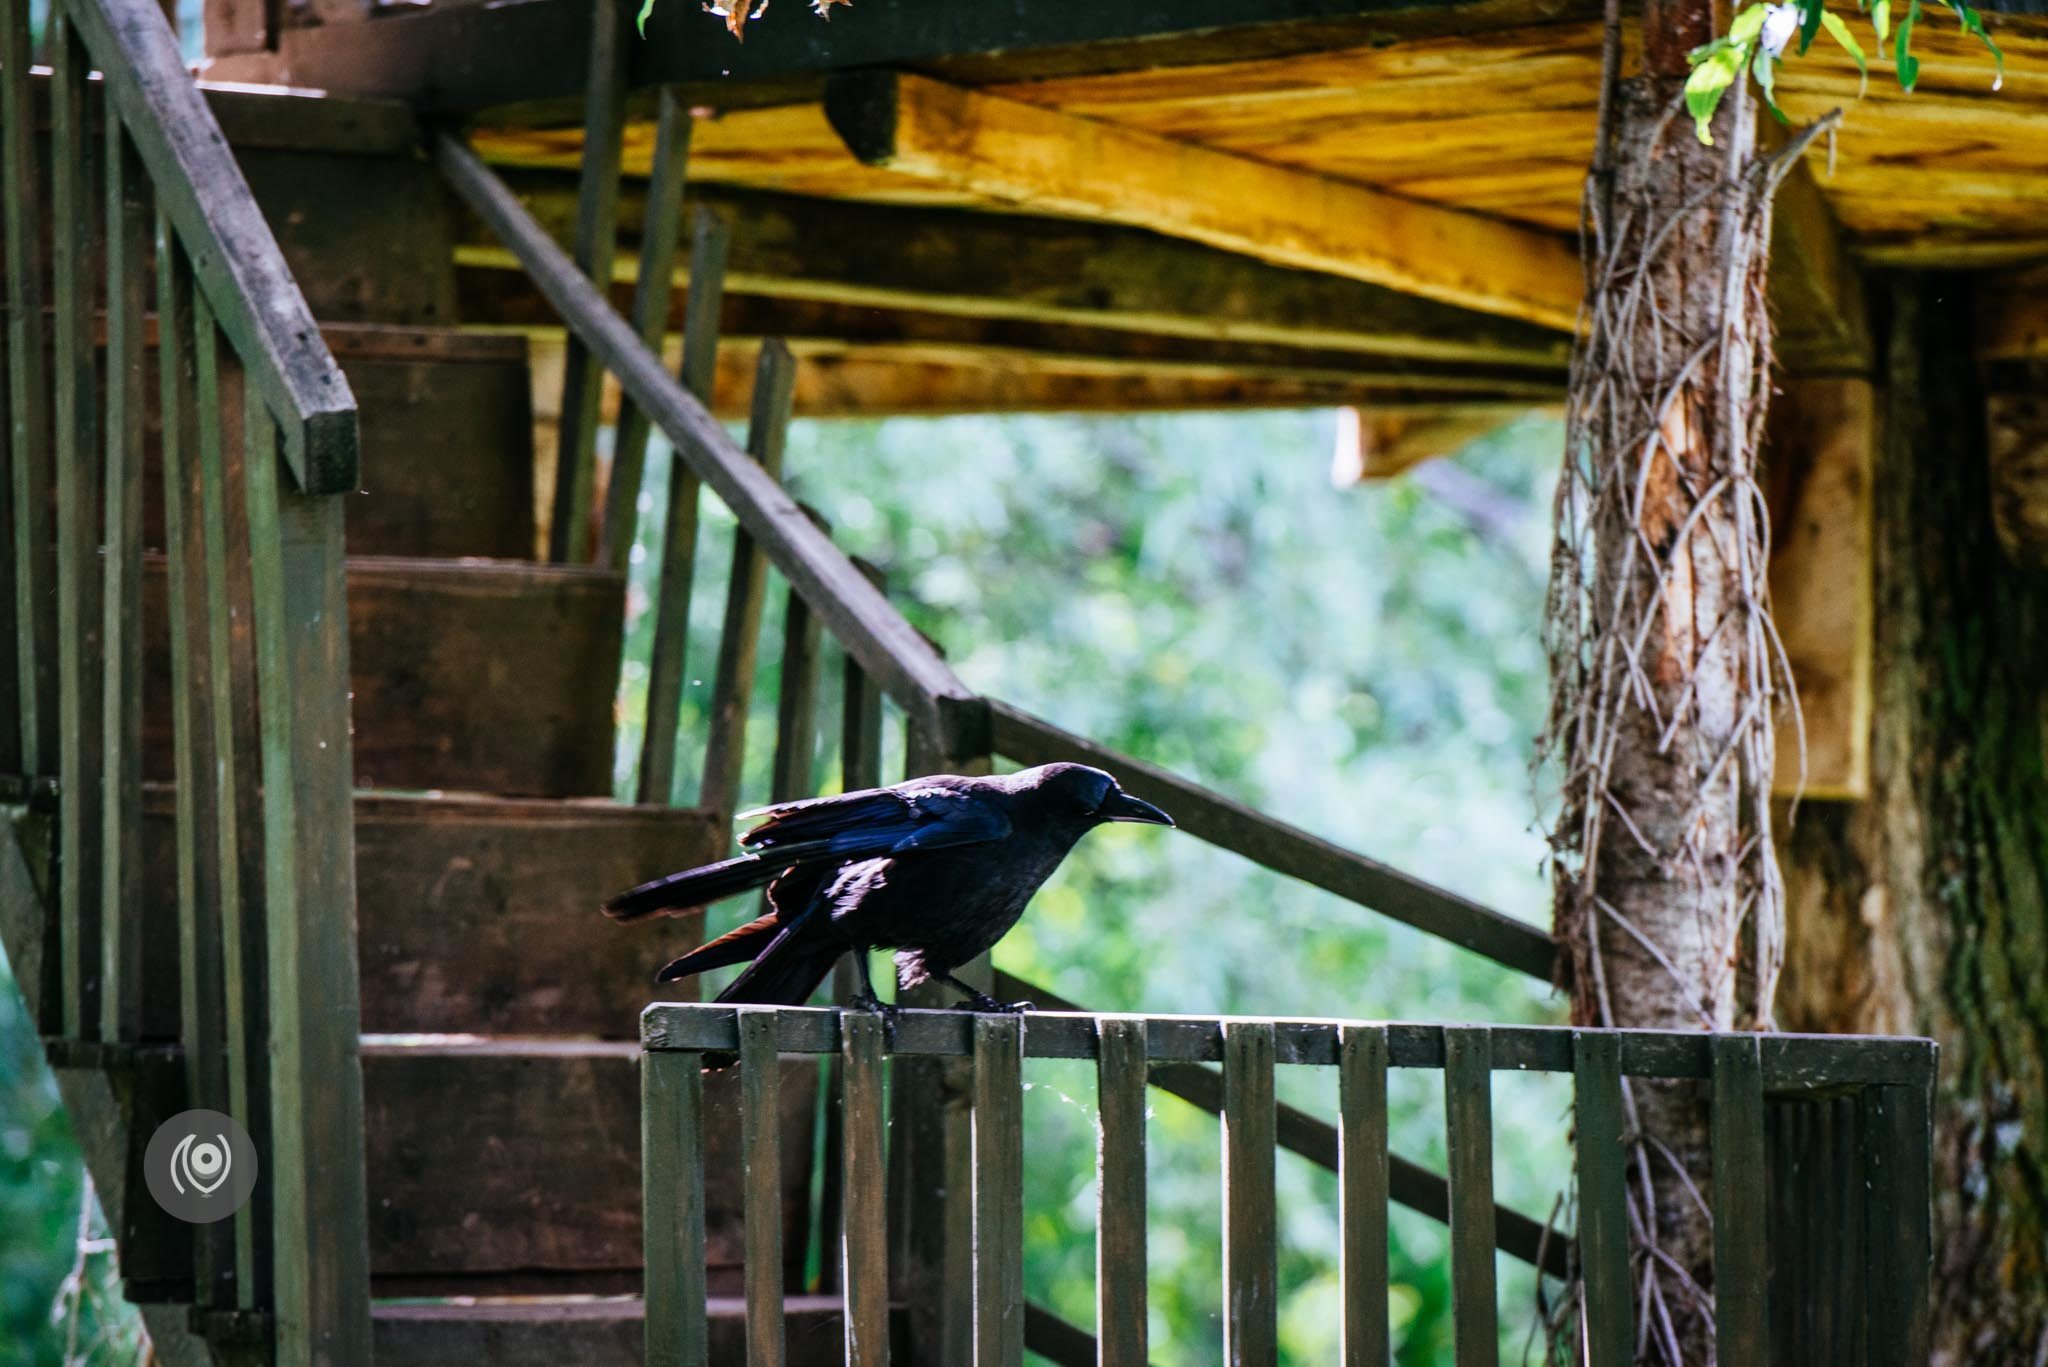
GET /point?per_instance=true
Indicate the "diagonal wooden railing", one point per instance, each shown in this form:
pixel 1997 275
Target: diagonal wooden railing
pixel 259 447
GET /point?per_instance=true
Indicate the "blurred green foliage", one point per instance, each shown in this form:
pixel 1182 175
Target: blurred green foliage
pixel 1188 589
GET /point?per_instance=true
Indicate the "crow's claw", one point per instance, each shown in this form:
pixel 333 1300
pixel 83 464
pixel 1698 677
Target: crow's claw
pixel 868 1001
pixel 983 1004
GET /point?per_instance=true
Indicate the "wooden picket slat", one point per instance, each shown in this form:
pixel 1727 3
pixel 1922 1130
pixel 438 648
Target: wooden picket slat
pixel 739 641
pixel 1120 1263
pixel 128 218
pixel 860 714
pixel 864 1242
pixel 1362 1183
pixel 28 378
pixel 1597 1119
pixel 796 703
pixel 672 1187
pixel 998 1191
pixel 1741 1264
pixel 74 296
pixel 1251 1267
pixel 1468 1127
pixel 1897 1137
pixel 201 961
pixel 597 215
pixel 761 1198
pixel 660 230
pixel 708 243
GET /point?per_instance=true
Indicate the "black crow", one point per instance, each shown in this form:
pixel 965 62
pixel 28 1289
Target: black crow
pixel 935 868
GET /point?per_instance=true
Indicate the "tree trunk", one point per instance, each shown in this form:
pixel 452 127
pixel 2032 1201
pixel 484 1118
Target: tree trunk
pixel 1661 663
pixel 1924 909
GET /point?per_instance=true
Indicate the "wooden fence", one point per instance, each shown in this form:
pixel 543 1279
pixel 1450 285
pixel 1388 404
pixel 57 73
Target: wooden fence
pixel 1886 1083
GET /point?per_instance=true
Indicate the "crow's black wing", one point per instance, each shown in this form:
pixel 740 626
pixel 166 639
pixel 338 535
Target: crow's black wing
pixel 926 814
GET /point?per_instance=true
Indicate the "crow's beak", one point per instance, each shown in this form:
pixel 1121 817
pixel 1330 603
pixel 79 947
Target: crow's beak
pixel 1124 807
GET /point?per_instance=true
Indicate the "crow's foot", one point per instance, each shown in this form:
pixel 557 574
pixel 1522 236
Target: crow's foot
pixel 983 1004
pixel 868 1001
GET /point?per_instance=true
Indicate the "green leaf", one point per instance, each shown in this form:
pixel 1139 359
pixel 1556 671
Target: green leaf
pixel 646 8
pixel 1708 83
pixel 1811 14
pixel 1839 31
pixel 1765 69
pixel 1902 55
pixel 1881 19
pixel 1747 25
pixel 1974 23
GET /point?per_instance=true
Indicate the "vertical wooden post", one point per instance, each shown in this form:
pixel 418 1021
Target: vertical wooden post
pixel 597 212
pixel 864 1248
pixel 1741 1263
pixel 1609 1320
pixel 128 215
pixel 322 1292
pixel 998 1191
pixel 1362 1182
pixel 1468 1125
pixel 672 1154
pixel 761 1202
pixel 1120 1272
pixel 1897 1124
pixel 1251 1269
pixel 77 450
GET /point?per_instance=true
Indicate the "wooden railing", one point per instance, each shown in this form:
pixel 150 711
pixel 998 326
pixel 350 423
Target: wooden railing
pixel 258 446
pixel 1750 1080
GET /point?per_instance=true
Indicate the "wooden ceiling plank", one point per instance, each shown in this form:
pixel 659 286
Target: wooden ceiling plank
pixel 1058 163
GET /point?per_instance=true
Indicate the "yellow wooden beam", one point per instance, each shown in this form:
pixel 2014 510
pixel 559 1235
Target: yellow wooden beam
pixel 1054 162
pixel 1818 455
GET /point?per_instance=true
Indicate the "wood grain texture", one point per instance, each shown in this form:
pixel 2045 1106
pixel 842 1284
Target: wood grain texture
pixel 512 1156
pixel 672 1211
pixel 600 1333
pixel 864 1243
pixel 1120 1262
pixel 761 1187
pixel 478 915
pixel 1362 1182
pixel 2016 421
pixel 1251 1276
pixel 430 640
pixel 1468 1134
pixel 1819 452
pixel 998 1191
pixel 1741 1258
pixel 1056 162
pixel 1598 1122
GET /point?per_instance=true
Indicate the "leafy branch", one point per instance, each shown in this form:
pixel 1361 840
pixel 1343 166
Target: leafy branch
pixel 1758 36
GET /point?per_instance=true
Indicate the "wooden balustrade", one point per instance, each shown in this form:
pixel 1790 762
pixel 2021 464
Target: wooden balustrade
pixel 259 444
pixel 1890 1079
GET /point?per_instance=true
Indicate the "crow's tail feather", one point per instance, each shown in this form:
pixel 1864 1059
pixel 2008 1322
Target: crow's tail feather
pixel 694 887
pixel 785 975
pixel 730 948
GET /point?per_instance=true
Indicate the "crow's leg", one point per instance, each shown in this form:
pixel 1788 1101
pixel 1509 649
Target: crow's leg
pixel 978 1000
pixel 865 999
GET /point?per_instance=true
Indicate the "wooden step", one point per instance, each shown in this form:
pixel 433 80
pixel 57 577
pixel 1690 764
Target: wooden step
pixel 604 1332
pixel 447 442
pixel 488 676
pixel 509 1158
pixel 479 915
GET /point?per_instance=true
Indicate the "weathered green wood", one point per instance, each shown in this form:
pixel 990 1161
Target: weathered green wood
pixel 597 210
pixel 998 1191
pixel 73 243
pixel 235 256
pixel 671 1145
pixel 679 537
pixel 739 642
pixel 1362 1185
pixel 1120 1266
pixel 201 956
pixel 1251 1275
pixel 28 378
pixel 761 1142
pixel 661 227
pixel 859 617
pixel 796 705
pixel 1468 1129
pixel 1897 1124
pixel 1286 849
pixel 864 1245
pixel 1741 1263
pixel 860 715
pixel 10 675
pixel 1598 1123
pixel 128 217
pixel 316 1165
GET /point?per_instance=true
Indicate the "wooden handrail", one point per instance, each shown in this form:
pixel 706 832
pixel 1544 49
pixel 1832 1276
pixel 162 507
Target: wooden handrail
pixel 1018 735
pixel 235 258
pixel 851 608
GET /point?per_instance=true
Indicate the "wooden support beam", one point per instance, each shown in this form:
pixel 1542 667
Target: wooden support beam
pixel 1039 270
pixel 1057 163
pixel 1816 291
pixel 1818 457
pixel 1376 445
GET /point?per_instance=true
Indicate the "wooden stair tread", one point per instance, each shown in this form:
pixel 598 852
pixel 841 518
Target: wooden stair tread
pixel 480 914
pixel 517 1157
pixel 477 675
pixel 543 1332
